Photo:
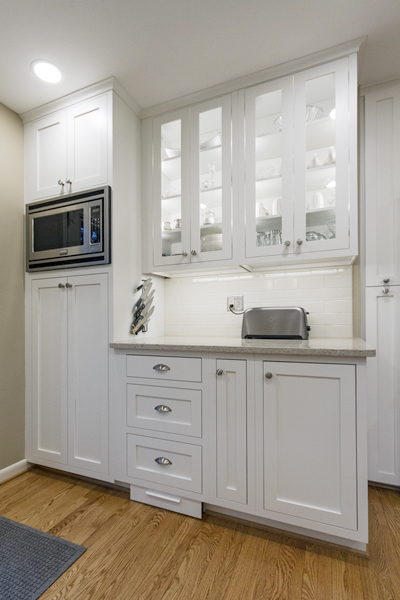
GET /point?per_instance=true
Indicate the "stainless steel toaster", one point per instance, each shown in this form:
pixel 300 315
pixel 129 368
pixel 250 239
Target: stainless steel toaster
pixel 288 323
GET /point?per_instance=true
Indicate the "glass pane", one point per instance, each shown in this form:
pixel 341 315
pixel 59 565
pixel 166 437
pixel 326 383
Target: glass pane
pixel 210 182
pixel 62 230
pixel 320 159
pixel 171 184
pixel 268 169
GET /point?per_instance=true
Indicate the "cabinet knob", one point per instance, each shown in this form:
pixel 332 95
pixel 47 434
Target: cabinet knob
pixel 219 371
pixel 184 253
pixel 287 243
pixel 268 375
pixel 193 253
pixel 61 286
pixel 386 280
pixel 68 181
pixel 385 291
pixel 162 408
pixel 161 460
pixel 299 242
pixel 161 368
pixel 60 182
pixel 68 285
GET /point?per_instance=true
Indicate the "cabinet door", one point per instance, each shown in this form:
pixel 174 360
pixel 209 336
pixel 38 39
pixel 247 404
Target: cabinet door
pixel 269 168
pixel 211 181
pixel 49 369
pixel 87 135
pixel 88 372
pixel 382 186
pixel 321 158
pixel 231 432
pixel 383 376
pixel 171 189
pixel 47 156
pixel 309 443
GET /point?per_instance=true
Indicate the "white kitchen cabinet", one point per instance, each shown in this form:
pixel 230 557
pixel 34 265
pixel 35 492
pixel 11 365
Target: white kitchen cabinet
pixel 382 186
pixel 68 149
pixel 191 185
pixel 309 451
pixel 68 398
pixel 382 326
pixel 300 166
pixel 231 432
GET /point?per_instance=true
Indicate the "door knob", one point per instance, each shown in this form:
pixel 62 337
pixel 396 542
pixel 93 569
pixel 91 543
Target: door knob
pixel 184 253
pixel 385 291
pixel 68 181
pixel 193 253
pixel 299 242
pixel 287 243
pixel 268 375
pixel 61 182
pixel 386 280
pixel 219 371
pixel 68 285
pixel 61 286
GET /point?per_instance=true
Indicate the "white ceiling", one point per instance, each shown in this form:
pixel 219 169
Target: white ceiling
pixel 163 49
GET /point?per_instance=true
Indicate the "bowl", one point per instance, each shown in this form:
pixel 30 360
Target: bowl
pixel 211 143
pixel 172 152
pixel 312 113
pixel 313 236
pixel 211 246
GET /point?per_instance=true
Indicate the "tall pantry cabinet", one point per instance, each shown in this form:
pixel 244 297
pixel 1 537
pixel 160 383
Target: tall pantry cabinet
pixel 84 140
pixel 382 279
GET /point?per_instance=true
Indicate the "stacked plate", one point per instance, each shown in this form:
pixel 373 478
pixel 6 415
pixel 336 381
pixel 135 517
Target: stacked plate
pixel 211 242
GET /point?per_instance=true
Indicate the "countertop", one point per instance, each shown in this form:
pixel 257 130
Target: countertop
pixel 341 347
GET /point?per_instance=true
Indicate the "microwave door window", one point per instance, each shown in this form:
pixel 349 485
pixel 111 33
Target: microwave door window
pixel 61 230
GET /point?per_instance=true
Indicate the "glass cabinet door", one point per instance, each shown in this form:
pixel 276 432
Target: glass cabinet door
pixel 171 148
pixel 269 168
pixel 211 180
pixel 321 158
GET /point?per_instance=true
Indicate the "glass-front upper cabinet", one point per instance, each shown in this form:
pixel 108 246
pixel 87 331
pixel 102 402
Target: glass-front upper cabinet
pixel 321 158
pixel 192 187
pixel 269 167
pixel 300 165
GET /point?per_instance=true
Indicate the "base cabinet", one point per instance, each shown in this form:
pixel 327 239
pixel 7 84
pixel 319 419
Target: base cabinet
pixel 307 441
pixel 279 441
pixel 68 377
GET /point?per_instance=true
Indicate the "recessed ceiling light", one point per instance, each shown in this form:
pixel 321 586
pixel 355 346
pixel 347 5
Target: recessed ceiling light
pixel 46 71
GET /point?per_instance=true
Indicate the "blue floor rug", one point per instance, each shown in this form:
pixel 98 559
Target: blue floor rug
pixel 31 560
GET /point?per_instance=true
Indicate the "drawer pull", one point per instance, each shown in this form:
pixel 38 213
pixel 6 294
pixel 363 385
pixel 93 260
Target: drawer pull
pixel 161 460
pixel 161 368
pixel 162 408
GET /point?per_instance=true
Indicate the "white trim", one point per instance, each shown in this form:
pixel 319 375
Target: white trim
pixel 14 470
pixel 287 68
pixel 79 96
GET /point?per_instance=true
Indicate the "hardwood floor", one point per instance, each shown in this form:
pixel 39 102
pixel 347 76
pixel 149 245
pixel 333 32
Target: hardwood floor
pixel 136 552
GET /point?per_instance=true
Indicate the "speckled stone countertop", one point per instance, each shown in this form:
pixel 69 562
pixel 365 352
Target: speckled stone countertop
pixel 341 347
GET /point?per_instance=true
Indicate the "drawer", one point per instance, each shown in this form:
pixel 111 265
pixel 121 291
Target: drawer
pixel 164 368
pixel 185 506
pixel 169 410
pixel 182 462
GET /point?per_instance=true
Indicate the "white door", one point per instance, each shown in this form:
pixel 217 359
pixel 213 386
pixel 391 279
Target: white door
pixel 171 188
pixel 211 181
pixel 47 156
pixel 88 372
pixel 48 394
pixel 269 168
pixel 382 329
pixel 231 432
pixel 309 448
pixel 87 135
pixel 322 167
pixel 382 186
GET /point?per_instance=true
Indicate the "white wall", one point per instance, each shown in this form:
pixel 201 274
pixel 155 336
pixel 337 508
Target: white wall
pixel 197 305
pixel 12 380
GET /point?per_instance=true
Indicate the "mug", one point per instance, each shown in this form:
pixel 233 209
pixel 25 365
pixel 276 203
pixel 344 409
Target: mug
pixel 317 200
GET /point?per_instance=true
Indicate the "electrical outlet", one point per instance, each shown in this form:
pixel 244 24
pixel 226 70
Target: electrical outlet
pixel 236 302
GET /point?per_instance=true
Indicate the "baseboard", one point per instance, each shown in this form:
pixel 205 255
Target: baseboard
pixel 14 470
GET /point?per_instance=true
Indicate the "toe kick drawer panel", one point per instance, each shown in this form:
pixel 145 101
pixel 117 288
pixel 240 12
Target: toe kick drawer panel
pixel 164 368
pixel 170 410
pixel 161 461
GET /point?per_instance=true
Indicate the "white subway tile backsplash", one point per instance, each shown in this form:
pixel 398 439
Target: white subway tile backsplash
pixel 197 305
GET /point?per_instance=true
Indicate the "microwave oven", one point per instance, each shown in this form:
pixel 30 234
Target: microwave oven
pixel 69 231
